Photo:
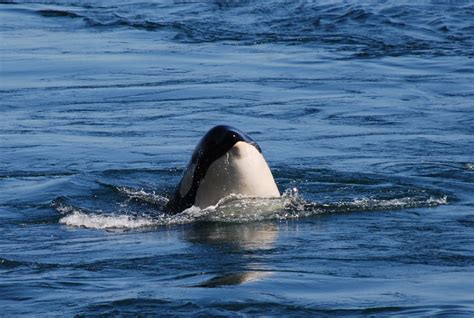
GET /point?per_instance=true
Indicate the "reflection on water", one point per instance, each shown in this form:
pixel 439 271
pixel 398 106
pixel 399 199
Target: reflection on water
pixel 235 244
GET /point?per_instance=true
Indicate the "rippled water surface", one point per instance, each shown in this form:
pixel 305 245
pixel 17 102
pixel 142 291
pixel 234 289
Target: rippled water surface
pixel 363 109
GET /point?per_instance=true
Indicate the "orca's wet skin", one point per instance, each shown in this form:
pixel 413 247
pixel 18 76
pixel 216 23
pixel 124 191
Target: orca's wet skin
pixel 225 162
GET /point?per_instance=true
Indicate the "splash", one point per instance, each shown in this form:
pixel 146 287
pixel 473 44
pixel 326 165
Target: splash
pixel 142 195
pixel 231 209
pixel 96 221
pixel 469 166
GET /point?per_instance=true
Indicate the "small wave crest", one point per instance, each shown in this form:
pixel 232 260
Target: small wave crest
pixel 469 166
pixel 233 209
pixel 368 204
pixel 96 221
pixel 58 13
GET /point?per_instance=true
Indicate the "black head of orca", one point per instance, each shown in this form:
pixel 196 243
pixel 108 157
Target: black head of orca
pixel 215 143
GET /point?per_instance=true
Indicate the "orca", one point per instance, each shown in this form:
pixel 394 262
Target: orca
pixel 225 161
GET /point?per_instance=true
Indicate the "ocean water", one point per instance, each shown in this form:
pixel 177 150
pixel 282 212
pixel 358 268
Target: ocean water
pixel 363 109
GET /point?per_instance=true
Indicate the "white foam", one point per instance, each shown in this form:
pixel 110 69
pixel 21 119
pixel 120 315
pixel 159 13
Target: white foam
pixel 236 208
pixel 77 217
pixel 96 221
pixel 399 203
pixel 230 209
pixel 438 201
pixel 469 166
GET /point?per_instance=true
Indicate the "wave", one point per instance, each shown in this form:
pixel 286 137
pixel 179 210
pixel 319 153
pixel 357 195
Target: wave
pixel 366 29
pixel 96 221
pixel 58 13
pixel 231 209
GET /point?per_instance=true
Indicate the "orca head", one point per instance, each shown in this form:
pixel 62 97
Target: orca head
pixel 216 143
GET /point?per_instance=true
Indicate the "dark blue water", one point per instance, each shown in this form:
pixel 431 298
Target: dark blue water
pixel 364 111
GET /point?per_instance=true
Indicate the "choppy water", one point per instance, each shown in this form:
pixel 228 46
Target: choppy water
pixel 364 110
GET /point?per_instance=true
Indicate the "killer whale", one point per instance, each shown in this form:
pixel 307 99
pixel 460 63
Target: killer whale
pixel 225 161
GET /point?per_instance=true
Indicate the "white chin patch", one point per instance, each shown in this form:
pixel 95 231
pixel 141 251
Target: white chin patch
pixel 242 170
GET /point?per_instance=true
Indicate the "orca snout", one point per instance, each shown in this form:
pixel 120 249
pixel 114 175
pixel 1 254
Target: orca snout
pixel 243 149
